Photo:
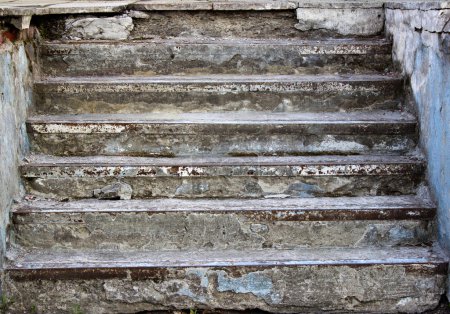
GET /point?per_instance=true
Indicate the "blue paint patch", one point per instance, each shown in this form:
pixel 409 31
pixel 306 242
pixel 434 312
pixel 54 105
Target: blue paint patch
pixel 185 291
pixel 431 90
pixel 255 283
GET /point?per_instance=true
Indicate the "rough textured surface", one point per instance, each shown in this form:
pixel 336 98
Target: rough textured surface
pixel 234 134
pixel 277 93
pixel 43 7
pixel 248 177
pixel 329 233
pixel 116 191
pixel 110 28
pixel 422 50
pixel 217 224
pixel 214 5
pixel 197 24
pixel 364 280
pixel 15 98
pixel 343 21
pixel 194 56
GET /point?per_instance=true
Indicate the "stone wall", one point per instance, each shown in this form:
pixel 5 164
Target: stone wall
pixel 15 99
pixel 421 35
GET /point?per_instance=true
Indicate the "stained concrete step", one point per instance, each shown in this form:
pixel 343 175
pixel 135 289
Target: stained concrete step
pixel 381 280
pixel 182 20
pixel 224 177
pixel 232 133
pixel 227 56
pixel 168 224
pixel 278 93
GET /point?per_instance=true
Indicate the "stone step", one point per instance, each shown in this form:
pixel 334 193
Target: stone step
pixel 169 224
pixel 224 177
pixel 226 56
pixel 246 21
pixel 231 133
pixel 381 280
pixel 278 93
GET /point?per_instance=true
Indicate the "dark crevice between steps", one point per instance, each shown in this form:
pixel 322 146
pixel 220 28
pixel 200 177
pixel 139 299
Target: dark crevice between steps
pixel 193 311
pixel 442 308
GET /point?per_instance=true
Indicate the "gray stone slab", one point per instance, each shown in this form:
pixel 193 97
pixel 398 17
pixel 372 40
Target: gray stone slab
pixel 254 5
pixel 215 5
pixel 418 5
pixel 60 7
pixel 108 28
pixel 194 134
pixel 341 21
pixel 227 56
pixel 384 280
pixel 176 94
pixel 249 177
pixel 166 224
pixel 172 5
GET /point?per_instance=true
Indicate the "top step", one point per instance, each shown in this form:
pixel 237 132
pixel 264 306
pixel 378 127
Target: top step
pixel 255 19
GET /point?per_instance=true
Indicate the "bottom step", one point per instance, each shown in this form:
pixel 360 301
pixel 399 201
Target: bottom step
pixel 387 280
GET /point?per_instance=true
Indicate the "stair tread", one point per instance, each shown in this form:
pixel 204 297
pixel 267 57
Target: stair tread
pixel 218 78
pixel 48 259
pixel 376 42
pixel 48 160
pixel 365 203
pixel 374 117
pixel 278 208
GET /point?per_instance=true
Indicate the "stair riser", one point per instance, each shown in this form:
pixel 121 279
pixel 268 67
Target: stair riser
pixel 390 288
pixel 211 230
pixel 54 98
pixel 233 140
pixel 229 187
pixel 240 58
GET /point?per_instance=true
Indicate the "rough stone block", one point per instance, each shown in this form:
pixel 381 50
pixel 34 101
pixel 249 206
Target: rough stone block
pixel 119 191
pixel 110 28
pixel 392 280
pixel 170 224
pixel 346 21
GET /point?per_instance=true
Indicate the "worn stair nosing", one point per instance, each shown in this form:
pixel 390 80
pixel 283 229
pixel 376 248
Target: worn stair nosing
pixel 71 260
pixel 373 122
pixel 220 78
pixel 289 209
pixel 54 167
pixel 370 45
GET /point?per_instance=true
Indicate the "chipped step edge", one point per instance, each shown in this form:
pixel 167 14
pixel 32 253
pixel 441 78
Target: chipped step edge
pixel 191 168
pixel 29 260
pixel 72 7
pixel 315 209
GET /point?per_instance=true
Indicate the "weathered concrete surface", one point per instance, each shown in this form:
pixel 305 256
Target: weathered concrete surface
pixel 407 280
pixel 198 24
pixel 108 28
pixel 226 5
pixel 117 191
pixel 217 224
pixel 44 7
pixel 421 37
pixel 15 99
pixel 278 93
pixel 342 19
pixel 233 134
pixel 250 177
pixel 228 56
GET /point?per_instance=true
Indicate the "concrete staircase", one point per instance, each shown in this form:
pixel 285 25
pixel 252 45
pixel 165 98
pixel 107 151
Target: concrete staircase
pixel 269 168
